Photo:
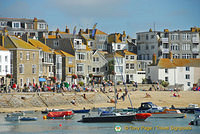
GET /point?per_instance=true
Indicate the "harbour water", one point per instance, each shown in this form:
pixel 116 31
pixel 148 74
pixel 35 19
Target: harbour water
pixel 150 126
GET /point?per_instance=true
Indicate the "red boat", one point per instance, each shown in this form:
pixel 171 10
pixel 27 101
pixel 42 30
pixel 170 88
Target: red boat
pixel 59 115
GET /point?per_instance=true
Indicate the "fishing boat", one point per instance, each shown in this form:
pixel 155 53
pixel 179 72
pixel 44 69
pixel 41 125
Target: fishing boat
pixel 59 115
pixel 81 111
pixel 28 118
pixel 196 120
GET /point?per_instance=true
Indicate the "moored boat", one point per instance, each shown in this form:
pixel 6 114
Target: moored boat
pixel 116 117
pixel 196 120
pixel 46 111
pixel 28 118
pixel 81 111
pixel 9 117
pixel 59 115
pixel 168 113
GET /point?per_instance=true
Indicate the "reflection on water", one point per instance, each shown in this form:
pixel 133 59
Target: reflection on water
pixel 151 125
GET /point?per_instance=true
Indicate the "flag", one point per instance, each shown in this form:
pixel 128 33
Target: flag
pixel 74 31
pixel 93 29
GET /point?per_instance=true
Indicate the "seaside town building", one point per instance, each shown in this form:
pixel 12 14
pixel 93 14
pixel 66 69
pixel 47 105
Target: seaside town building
pixel 19 26
pixel 24 60
pixel 45 61
pixel 5 69
pixel 99 66
pixel 184 44
pixel 180 73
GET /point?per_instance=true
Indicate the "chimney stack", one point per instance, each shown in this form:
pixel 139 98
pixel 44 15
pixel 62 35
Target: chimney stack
pixel 87 31
pixel 57 31
pixel 25 37
pixel 154 59
pixel 35 22
pixel 67 30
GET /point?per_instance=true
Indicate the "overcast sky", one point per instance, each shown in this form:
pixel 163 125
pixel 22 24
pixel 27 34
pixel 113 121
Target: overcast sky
pixel 111 15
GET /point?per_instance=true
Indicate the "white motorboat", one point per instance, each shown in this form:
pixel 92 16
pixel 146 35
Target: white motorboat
pixel 10 117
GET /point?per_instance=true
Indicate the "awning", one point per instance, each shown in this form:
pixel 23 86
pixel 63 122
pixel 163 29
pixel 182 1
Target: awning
pixel 42 79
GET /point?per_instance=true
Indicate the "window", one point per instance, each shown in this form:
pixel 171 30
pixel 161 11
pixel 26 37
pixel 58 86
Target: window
pixel 56 43
pixel 152 47
pixel 33 80
pixel 119 69
pixel 166 78
pixel 138 37
pixel 2 23
pixel 93 69
pixel 127 57
pixel 132 57
pixel 174 37
pixel 97 69
pixel 80 56
pixel 50 68
pixel 188 84
pixel 147 37
pixel 186 47
pixel 131 66
pixel 21 56
pixel 166 70
pixel 186 56
pixel 21 82
pixel 70 70
pixel 70 60
pixel 27 81
pixel 186 36
pixel 148 57
pixel 16 24
pixel 138 47
pixel 34 69
pixel 80 67
pixel 6 58
pixel 152 36
pixel 27 56
pixel 33 56
pixel 42 26
pixel 127 66
pixel 176 56
pixel 175 47
pixel 147 47
pixel 187 76
pixel 21 68
pixel 6 68
pixel 119 60
pixel 187 68
pixel 118 47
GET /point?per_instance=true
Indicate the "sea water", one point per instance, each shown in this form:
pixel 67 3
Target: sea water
pixel 150 126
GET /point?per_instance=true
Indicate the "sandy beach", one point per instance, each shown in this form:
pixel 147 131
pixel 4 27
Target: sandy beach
pixel 98 99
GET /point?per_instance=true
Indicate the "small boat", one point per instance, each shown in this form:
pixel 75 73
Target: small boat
pixel 190 109
pixel 168 113
pixel 196 120
pixel 149 107
pixel 28 118
pixel 10 117
pixel 81 111
pixel 59 115
pixel 46 111
pixel 116 117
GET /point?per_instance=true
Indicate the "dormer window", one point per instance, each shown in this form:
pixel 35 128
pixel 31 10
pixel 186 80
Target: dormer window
pixel 16 25
pixel 2 23
pixel 42 26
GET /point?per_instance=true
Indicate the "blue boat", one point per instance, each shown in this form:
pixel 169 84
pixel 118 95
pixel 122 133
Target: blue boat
pixel 28 118
pixel 81 111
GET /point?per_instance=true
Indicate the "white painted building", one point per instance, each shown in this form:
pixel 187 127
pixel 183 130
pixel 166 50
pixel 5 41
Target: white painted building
pixel 4 64
pixel 182 72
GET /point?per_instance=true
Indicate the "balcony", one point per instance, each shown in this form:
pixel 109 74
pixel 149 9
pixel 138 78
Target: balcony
pixel 165 40
pixel 195 40
pixel 195 50
pixel 165 50
pixel 80 47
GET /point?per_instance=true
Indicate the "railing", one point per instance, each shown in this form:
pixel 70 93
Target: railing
pixel 195 50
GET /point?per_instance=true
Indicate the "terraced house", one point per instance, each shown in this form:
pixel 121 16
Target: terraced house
pixel 19 26
pixel 45 61
pixel 24 60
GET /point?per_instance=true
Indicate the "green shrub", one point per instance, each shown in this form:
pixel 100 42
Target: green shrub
pixel 164 83
pixel 81 83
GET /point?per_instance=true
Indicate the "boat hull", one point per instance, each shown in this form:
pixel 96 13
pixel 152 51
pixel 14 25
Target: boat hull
pixel 168 115
pixel 121 118
pixel 81 111
pixel 28 119
pixel 60 118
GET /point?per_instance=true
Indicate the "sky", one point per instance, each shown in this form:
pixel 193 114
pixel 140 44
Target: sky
pixel 111 16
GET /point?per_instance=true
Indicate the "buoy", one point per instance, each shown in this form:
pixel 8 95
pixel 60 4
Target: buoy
pixel 44 117
pixel 60 125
